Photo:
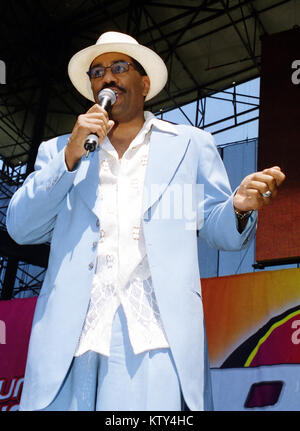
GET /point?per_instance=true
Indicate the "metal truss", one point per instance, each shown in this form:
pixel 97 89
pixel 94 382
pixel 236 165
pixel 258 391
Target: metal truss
pixel 19 279
pixel 239 103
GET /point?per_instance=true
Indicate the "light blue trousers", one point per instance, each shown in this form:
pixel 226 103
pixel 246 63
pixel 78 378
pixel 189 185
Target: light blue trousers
pixel 121 382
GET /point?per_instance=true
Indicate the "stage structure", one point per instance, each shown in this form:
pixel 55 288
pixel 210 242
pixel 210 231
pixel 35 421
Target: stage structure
pixel 209 46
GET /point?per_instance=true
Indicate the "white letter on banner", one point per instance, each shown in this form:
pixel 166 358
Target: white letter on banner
pixel 2 332
pixel 295 334
pixel 2 72
pixel 296 74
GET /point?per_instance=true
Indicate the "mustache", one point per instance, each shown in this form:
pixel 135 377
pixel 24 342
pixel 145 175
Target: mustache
pixel 113 85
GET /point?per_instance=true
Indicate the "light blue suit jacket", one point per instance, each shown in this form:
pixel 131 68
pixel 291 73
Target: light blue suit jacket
pixel 61 207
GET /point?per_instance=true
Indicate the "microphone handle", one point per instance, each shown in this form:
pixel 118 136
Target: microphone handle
pixel 91 143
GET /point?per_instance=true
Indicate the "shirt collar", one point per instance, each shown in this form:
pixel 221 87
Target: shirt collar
pixel 150 120
pixel 163 126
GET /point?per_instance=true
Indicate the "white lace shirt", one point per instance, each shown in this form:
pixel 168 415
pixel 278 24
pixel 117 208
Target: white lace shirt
pixel 122 275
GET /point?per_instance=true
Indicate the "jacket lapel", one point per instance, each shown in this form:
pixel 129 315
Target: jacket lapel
pixel 87 181
pixel 165 154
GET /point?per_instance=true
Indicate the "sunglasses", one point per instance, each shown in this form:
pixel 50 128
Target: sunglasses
pixel 118 67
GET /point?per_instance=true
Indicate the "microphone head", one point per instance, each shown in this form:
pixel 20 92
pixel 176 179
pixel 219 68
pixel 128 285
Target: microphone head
pixel 108 94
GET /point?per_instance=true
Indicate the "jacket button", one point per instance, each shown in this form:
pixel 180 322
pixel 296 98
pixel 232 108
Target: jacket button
pixel 95 243
pixel 91 266
pixel 97 223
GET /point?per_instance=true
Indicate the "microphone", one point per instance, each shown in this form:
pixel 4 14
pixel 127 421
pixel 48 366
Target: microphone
pixel 106 98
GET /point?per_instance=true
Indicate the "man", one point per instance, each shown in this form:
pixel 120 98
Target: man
pixel 119 322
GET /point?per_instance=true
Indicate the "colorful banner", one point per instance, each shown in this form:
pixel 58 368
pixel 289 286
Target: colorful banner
pixel 253 329
pixel 15 325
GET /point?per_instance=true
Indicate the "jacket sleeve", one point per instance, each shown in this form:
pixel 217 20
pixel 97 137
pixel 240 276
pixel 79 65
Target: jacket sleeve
pixel 218 222
pixel 33 209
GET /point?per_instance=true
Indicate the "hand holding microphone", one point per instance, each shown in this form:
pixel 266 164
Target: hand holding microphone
pixel 92 126
pixel 106 99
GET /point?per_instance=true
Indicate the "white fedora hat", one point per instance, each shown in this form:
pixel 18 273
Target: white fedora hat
pixel 112 41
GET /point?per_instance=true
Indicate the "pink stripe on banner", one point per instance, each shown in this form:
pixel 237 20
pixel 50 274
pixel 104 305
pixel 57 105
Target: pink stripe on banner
pixel 15 326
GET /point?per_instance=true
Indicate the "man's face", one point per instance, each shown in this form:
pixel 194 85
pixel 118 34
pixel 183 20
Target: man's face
pixel 130 87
